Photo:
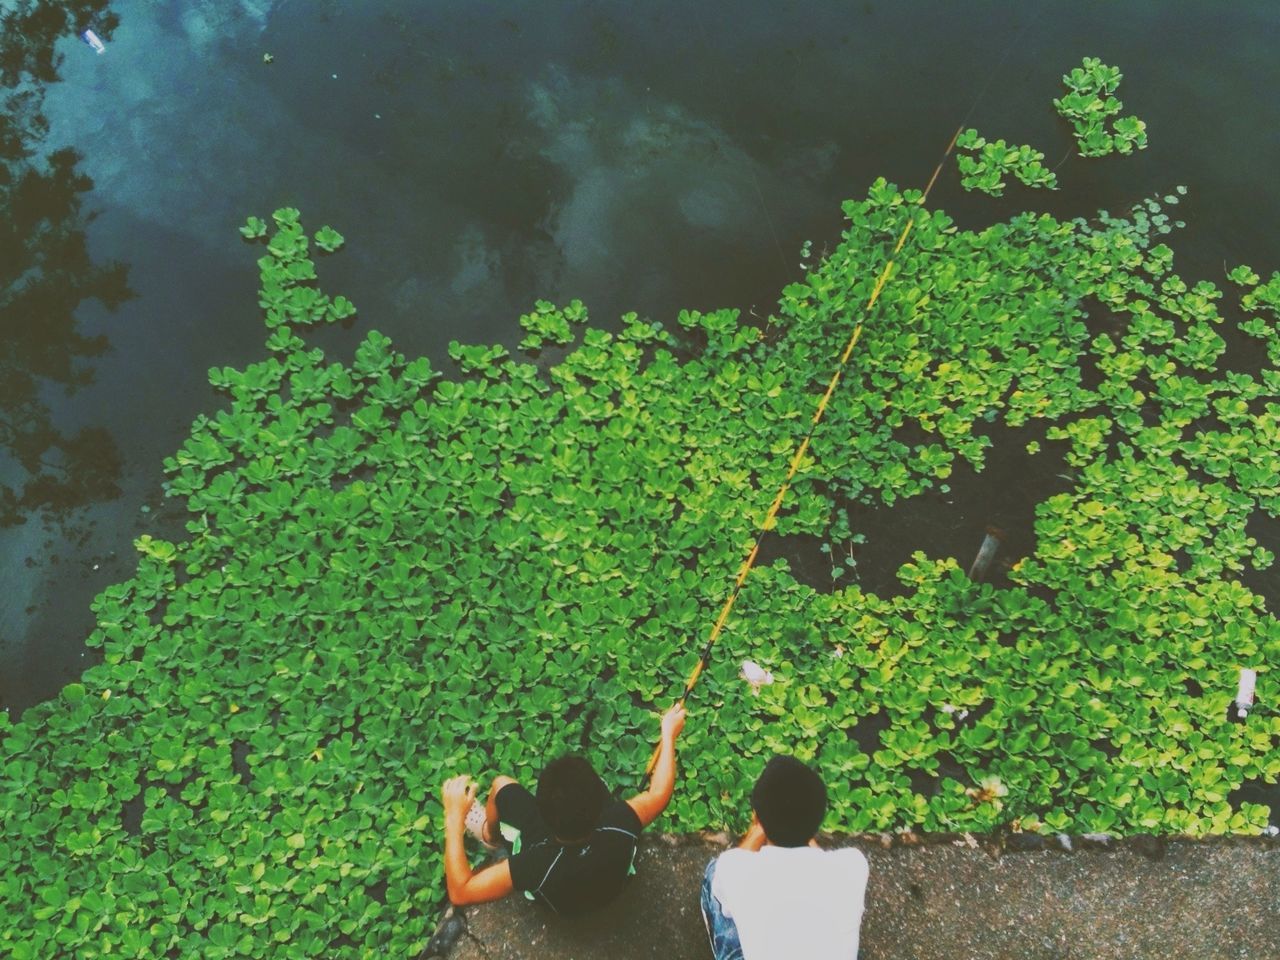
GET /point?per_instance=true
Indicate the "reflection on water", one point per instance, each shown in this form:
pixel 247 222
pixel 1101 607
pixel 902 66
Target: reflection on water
pixel 30 29
pixel 45 274
pixel 48 468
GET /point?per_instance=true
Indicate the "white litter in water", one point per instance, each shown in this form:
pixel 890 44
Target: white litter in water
pixel 951 708
pixel 756 675
pixel 91 38
pixel 1244 691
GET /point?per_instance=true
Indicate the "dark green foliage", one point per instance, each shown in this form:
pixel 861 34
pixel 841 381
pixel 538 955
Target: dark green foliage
pixel 394 576
pixel 985 165
pixel 1090 105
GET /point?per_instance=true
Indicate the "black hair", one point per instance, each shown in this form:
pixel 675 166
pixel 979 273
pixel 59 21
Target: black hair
pixel 790 801
pixel 571 797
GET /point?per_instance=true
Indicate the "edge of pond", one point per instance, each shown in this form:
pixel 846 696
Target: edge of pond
pixel 940 895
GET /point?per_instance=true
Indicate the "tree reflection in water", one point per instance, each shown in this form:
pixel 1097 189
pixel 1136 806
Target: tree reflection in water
pixel 45 274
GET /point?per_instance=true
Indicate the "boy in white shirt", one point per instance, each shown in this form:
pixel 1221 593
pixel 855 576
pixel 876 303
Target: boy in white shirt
pixel 778 896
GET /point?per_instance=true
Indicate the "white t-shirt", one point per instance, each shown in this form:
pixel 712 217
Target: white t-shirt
pixel 793 902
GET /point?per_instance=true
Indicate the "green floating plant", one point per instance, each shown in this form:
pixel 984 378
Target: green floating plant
pixel 1244 275
pixel 1090 105
pixel 550 324
pixel 329 240
pixel 254 229
pixel 985 164
pixel 287 292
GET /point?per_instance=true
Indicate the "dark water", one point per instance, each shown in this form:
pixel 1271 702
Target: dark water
pixel 645 157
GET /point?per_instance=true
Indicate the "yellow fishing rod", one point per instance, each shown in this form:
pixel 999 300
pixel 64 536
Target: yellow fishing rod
pixel 771 516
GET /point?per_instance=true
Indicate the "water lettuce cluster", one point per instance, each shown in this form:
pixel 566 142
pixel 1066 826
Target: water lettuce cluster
pixel 1090 104
pixel 984 165
pixel 392 575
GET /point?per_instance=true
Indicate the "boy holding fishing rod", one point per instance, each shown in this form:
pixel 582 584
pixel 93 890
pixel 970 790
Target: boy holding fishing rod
pixel 572 844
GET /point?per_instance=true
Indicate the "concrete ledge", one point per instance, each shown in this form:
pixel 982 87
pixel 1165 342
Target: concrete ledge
pixel 946 899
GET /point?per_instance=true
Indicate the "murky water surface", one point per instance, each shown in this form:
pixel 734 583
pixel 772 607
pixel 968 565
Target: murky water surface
pixel 645 157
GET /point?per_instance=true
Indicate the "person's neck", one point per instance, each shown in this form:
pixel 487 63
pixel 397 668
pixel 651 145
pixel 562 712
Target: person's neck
pixel 813 843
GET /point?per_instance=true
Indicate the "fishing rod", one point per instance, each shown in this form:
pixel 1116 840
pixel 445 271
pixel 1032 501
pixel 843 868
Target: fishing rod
pixel 835 379
pixel 771 516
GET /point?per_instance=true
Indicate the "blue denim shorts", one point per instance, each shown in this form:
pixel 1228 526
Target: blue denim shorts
pixel 722 931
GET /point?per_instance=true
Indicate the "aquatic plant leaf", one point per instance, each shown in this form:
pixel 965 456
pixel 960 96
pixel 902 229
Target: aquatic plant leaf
pixel 253 228
pixel 328 239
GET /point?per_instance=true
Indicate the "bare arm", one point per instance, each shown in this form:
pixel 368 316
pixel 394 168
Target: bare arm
pixel 465 885
pixel 652 802
pixel 754 838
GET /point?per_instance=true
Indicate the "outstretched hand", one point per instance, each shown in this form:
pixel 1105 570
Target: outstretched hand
pixel 458 794
pixel 673 722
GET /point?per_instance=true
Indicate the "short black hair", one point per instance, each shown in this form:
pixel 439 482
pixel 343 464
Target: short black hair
pixel 571 797
pixel 790 801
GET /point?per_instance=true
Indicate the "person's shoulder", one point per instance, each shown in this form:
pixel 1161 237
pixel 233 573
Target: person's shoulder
pixel 618 817
pixel 736 855
pixel 851 858
pixel 747 864
pixel 736 867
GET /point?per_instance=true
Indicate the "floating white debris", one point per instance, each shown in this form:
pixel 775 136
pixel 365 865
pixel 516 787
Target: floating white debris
pixel 1244 692
pixel 91 38
pixel 958 712
pixel 756 675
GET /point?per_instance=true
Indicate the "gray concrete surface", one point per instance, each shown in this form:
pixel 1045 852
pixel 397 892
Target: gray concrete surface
pixel 952 899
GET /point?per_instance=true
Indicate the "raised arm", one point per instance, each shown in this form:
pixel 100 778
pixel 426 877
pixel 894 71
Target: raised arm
pixel 653 801
pixel 465 885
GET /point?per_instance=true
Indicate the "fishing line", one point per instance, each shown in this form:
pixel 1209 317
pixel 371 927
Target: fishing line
pixel 768 219
pixel 771 516
pixel 991 75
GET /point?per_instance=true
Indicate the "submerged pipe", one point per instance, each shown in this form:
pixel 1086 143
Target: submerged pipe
pixel 986 553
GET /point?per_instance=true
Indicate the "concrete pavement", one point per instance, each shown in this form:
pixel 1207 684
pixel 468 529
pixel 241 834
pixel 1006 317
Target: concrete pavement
pixel 946 899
